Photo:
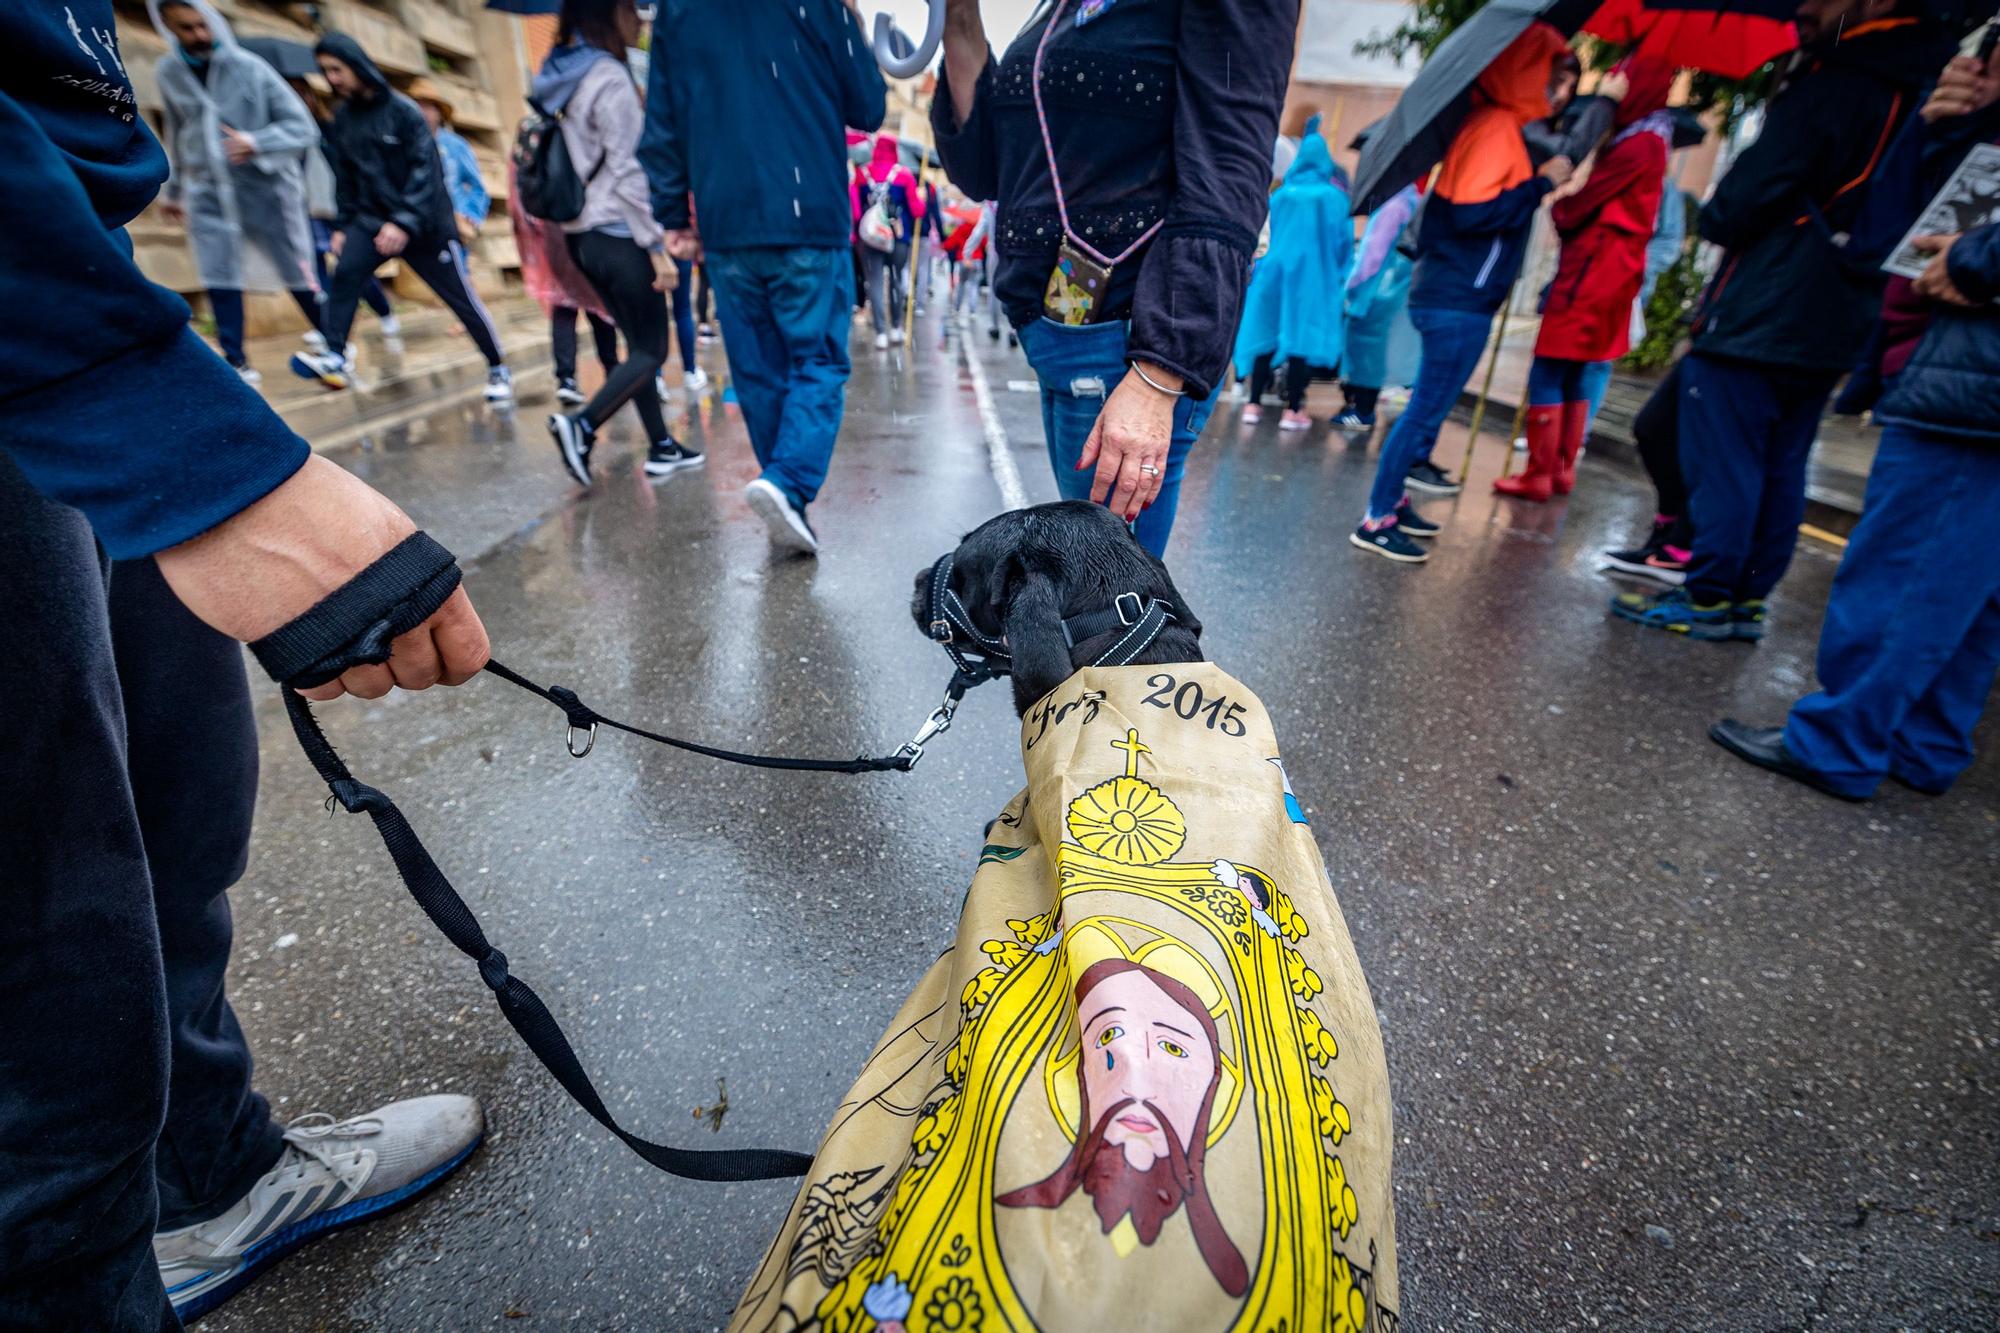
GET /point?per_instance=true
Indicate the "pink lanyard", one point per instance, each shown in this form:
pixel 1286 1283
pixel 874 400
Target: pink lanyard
pixel 1055 177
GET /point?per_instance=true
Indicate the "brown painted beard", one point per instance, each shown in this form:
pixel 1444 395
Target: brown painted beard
pixel 1119 1189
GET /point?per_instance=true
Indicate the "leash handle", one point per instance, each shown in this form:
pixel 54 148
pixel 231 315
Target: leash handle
pixel 523 1008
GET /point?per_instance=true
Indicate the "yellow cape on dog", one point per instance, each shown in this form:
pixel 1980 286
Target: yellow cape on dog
pixel 1144 1088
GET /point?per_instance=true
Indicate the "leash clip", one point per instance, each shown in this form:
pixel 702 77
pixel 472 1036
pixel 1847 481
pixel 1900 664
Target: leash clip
pixel 589 741
pixel 934 726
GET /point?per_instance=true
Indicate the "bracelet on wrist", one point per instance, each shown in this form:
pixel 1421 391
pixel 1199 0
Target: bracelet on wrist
pixel 1154 384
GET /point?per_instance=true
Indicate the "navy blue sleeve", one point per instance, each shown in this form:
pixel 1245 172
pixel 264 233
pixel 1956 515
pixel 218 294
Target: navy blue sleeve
pixel 663 147
pixel 112 403
pixel 1502 213
pixel 861 94
pixel 1974 263
pixel 1235 64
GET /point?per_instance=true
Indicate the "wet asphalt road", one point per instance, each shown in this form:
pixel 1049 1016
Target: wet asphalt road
pixel 1673 1044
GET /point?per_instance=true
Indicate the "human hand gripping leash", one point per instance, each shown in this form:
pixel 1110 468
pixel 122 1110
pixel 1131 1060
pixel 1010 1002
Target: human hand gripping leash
pixel 359 621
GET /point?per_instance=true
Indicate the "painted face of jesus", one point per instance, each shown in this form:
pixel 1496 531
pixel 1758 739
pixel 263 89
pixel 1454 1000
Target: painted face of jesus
pixel 1140 1045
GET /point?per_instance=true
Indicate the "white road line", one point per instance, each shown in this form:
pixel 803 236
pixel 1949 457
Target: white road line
pixel 999 456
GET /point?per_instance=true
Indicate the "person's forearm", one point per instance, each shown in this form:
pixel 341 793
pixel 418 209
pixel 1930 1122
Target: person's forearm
pixel 964 54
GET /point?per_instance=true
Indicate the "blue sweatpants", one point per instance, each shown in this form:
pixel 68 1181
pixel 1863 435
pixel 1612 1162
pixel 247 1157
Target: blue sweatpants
pixel 787 310
pixel 1746 432
pixel 1453 340
pixel 1911 643
pixel 1079 366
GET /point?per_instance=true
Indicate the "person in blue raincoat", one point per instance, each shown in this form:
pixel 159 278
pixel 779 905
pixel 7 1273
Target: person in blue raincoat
pixel 1294 310
pixel 1382 343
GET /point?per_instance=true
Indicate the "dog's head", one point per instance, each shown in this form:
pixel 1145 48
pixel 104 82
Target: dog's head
pixel 1021 574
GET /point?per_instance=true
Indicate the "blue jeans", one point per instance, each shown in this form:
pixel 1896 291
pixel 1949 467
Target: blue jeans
pixel 1746 432
pixel 787 310
pixel 1453 340
pixel 1079 366
pixel 1552 380
pixel 1911 642
pixel 684 311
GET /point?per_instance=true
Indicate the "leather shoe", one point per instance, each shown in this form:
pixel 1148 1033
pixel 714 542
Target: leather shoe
pixel 1765 747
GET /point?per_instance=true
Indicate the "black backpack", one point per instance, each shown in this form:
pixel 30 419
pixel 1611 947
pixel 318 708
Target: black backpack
pixel 545 180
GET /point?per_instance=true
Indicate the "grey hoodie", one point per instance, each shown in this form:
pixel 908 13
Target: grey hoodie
pixel 593 92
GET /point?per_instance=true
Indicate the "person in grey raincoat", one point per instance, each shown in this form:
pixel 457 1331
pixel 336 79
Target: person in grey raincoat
pixel 237 138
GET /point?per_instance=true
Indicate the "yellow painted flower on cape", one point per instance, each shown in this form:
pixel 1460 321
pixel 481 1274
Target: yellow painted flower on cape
pixel 1127 820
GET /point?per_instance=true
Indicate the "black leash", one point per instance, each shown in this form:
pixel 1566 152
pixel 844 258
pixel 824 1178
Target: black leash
pixel 356 625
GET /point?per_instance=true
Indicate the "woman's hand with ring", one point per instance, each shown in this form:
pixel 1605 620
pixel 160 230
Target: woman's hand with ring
pixel 1128 445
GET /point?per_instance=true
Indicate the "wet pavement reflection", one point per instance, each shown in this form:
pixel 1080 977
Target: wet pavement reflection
pixel 1672 1043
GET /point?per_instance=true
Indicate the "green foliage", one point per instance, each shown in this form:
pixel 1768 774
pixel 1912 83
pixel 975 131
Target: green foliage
pixel 1669 310
pixel 1429 22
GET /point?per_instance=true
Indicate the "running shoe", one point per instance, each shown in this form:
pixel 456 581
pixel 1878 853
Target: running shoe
pixel 1294 421
pixel 1676 613
pixel 881 342
pixel 331 1174
pixel 328 369
pixel 670 456
pixel 784 516
pixel 574 441
pixel 1390 542
pixel 1746 620
pixel 249 374
pixel 695 381
pixel 499 385
pixel 1428 476
pixel 392 334
pixel 1352 420
pixel 1252 414
pixel 1414 524
pixel 315 341
pixel 1658 559
pixel 568 393
pixel 705 334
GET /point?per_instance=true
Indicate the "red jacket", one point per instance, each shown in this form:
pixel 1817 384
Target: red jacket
pixel 1604 228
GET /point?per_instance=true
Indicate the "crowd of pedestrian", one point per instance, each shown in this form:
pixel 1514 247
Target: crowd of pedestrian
pixel 1114 193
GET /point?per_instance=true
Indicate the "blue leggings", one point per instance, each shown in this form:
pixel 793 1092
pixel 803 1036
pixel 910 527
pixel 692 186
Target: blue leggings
pixel 1552 380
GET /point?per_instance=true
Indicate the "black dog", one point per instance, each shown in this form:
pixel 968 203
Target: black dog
pixel 1022 574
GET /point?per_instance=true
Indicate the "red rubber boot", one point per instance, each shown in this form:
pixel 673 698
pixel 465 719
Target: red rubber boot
pixel 1575 422
pixel 1537 480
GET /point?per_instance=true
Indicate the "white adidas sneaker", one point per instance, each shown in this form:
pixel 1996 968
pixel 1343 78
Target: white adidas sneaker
pixel 333 1174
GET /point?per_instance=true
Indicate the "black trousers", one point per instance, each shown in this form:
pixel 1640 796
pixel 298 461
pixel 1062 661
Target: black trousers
pixel 441 265
pixel 1657 432
pixel 1360 398
pixel 622 273
pixel 562 341
pixel 126 788
pixel 703 296
pixel 1297 376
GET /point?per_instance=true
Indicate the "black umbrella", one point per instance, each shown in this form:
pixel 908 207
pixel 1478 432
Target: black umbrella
pixel 294 60
pixel 1413 137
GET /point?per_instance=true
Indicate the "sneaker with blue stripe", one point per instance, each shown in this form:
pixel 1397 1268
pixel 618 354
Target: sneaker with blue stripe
pixel 1675 612
pixel 332 1174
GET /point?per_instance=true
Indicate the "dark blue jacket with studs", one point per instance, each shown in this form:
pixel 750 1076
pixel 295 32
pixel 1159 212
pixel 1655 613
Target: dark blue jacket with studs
pixel 1160 111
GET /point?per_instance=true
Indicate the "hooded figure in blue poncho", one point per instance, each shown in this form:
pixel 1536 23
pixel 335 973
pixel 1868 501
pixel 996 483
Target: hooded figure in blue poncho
pixel 1295 308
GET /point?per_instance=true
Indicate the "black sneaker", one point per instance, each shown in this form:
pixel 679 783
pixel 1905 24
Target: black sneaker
pixel 574 440
pixel 1659 559
pixel 568 393
pixel 1428 476
pixel 670 456
pixel 1414 524
pixel 784 516
pixel 1390 542
pixel 1746 619
pixel 1352 420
